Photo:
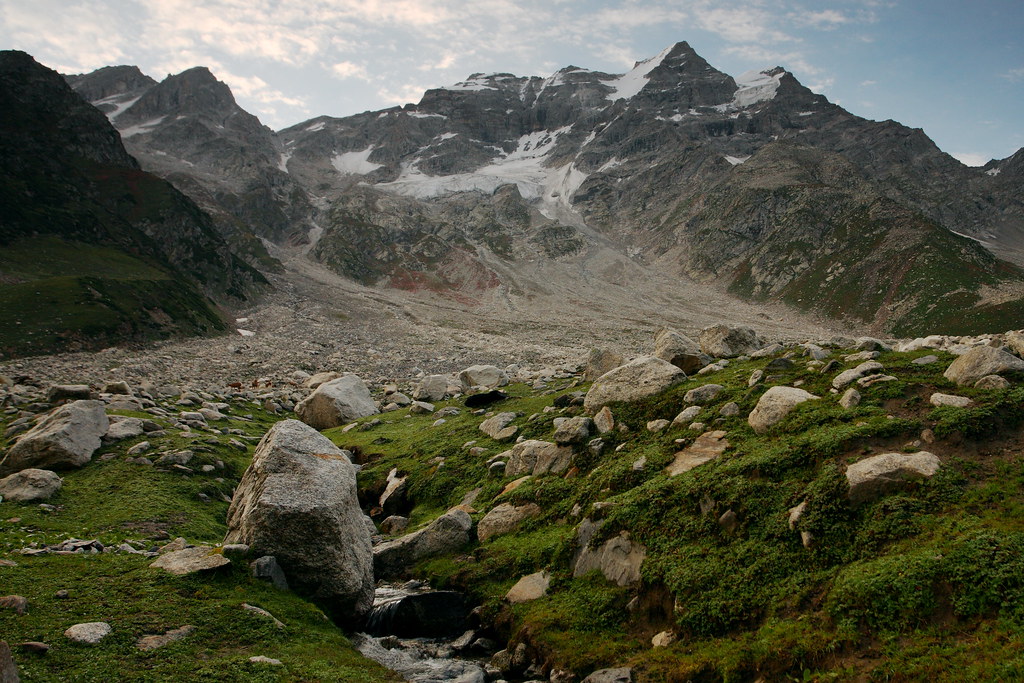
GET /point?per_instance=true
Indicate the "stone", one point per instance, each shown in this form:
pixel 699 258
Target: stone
pixel 871 380
pixel 600 361
pixel 703 394
pixel 874 477
pixel 393 498
pixel 850 399
pixel 29 486
pixel 638 379
pixel 336 402
pixel 267 569
pixel 17 603
pixel 235 551
pixel 155 641
pixel 120 388
pixel 432 614
pixel 871 344
pixel 297 501
pixel 34 647
pixel 321 378
pixel 658 425
pixel 505 518
pixel 992 382
pixel 774 405
pixel 705 448
pixel 191 560
pixel 269 661
pixel 604 421
pixel 259 611
pixel 123 428
pixel 530 587
pixel 537 457
pixel 68 392
pixel 431 388
pixel 575 430
pixel 663 639
pixel 65 438
pixel 728 522
pixel 618 558
pixel 489 376
pixel 619 675
pixel 979 362
pixel 687 415
pixel 139 448
pixel 938 399
pixel 722 341
pixel 755 377
pixel 445 534
pixel 679 350
pixel 8 669
pixel 730 409
pixel 499 427
pixel 421 408
pixel 925 360
pixel 88 633
pixel 847 377
pixel 394 524
pixel 862 356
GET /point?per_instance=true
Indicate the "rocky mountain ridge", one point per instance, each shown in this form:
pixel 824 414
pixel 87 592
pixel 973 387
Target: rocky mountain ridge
pixel 674 166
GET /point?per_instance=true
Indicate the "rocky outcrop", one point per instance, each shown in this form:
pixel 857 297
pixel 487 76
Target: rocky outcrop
pixel 874 477
pixel 638 379
pixel 488 376
pixel 297 501
pixel 505 518
pixel 705 448
pixel 774 405
pixel 618 559
pixel 66 438
pixel 980 362
pixel 336 402
pixel 537 457
pixel 445 534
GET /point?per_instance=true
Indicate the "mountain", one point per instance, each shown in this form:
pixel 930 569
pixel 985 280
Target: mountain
pixel 96 250
pixel 752 184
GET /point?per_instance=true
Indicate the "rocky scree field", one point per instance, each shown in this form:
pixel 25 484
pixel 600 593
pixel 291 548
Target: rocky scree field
pixel 840 511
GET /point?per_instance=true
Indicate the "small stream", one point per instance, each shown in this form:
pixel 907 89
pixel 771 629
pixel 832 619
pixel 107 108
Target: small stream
pixel 423 635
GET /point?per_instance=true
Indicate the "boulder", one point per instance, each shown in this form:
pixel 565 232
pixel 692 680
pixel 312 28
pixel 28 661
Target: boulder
pixel 574 430
pixel 774 405
pixel 191 560
pixel 68 392
pixel 321 378
pixel 703 394
pixel 489 376
pixel 938 399
pixel 66 438
pixel 618 558
pixel 848 377
pixel 89 633
pixel 8 669
pixel 992 382
pixel 618 675
pixel 638 379
pixel 530 587
pixel 123 428
pixel 505 518
pixel 874 477
pixel 536 457
pixel 722 341
pixel 850 399
pixel 120 388
pixel 979 362
pixel 431 388
pixel 604 421
pixel 448 532
pixel 297 501
pixel 705 448
pixel 336 402
pixel 498 427
pixel 29 485
pixel 679 350
pixel 600 361
pixel 155 641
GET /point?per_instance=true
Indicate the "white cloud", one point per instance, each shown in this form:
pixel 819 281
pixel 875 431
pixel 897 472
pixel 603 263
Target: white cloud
pixel 825 19
pixel 348 69
pixel 971 158
pixel 1014 75
pixel 402 94
pixel 868 84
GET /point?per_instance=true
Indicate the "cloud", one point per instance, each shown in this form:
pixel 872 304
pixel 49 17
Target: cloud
pixel 826 19
pixel 971 158
pixel 402 94
pixel 868 84
pixel 348 69
pixel 1014 75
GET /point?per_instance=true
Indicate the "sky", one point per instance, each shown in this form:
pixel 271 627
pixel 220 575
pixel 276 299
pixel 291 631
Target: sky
pixel 952 67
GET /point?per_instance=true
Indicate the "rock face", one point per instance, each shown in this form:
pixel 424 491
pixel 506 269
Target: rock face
pixel 633 381
pixel 774 405
pixel 336 402
pixel 618 558
pixel 29 485
pixel 722 341
pixel 505 518
pixel 297 501
pixel 874 477
pixel 537 457
pixel 981 361
pixel 448 532
pixel 65 438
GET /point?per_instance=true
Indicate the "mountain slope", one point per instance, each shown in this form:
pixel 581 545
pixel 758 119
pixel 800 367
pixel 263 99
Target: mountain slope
pixel 95 249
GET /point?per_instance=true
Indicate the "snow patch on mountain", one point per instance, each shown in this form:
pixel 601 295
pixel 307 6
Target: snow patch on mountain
pixel 735 161
pixel 629 84
pixel 282 163
pixel 756 86
pixel 474 82
pixel 144 127
pixel 357 163
pixel 118 101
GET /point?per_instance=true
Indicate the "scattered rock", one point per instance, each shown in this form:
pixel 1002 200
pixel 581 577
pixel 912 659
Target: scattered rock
pixel 431 388
pixel 925 360
pixel 421 408
pixel 679 350
pixel 89 633
pixel 601 361
pixel 848 377
pixel 65 438
pixel 604 421
pixel 633 381
pixel 68 392
pixel 123 428
pixel 850 399
pixel 498 427
pixel 153 642
pixel 663 639
pixel 336 402
pixel 687 415
pixel 979 362
pixel 618 558
pixel 992 382
pixel 536 457
pixel 774 405
pixel 30 485
pixel 489 376
pixel 530 587
pixel 259 611
pixel 619 675
pixel 938 399
pixel 657 425
pixel 267 569
pixel 297 502
pixel 8 669
pixel 873 477
pixel 14 602
pixel 191 560
pixel 705 448
pixel 575 430
pixel 722 341
pixel 260 659
pixel 703 394
pixel 730 409
pixel 448 532
pixel 505 518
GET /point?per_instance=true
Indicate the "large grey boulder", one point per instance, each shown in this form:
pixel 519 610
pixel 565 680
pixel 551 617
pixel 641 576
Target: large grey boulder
pixel 981 361
pixel 448 532
pixel 638 379
pixel 679 350
pixel 191 560
pixel 574 430
pixel 489 376
pixel 431 388
pixel 505 518
pixel 774 405
pixel 874 477
pixel 531 587
pixel 336 402
pixel 123 428
pixel 29 485
pixel 537 457
pixel 618 675
pixel 600 361
pixel 66 438
pixel 847 377
pixel 500 426
pixel 618 558
pixel 297 501
pixel 722 341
